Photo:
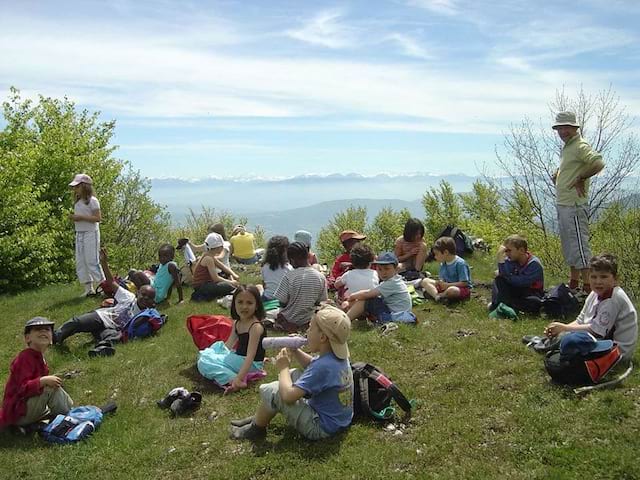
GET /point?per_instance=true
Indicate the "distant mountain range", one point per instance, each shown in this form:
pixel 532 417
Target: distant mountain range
pixel 269 196
pixel 314 217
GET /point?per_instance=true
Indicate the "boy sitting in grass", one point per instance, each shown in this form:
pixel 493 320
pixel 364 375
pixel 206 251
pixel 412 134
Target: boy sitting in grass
pixel 105 324
pixel 317 402
pixel 607 312
pixel 519 281
pixel 390 296
pixel 31 394
pixel 454 276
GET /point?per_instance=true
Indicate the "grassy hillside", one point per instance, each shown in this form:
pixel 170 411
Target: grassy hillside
pixel 485 407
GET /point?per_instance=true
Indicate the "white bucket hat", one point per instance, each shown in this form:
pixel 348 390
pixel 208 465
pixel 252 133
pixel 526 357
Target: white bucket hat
pixel 565 118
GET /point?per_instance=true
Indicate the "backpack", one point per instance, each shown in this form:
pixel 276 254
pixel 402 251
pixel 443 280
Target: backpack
pixel 373 392
pixel 560 302
pixel 208 329
pixel 464 244
pixel 76 425
pixel 144 324
pixel 581 370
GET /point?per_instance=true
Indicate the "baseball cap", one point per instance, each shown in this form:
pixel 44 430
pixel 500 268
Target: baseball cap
pixel 213 240
pixel 335 324
pixel 302 236
pixel 36 322
pixel 582 343
pixel 386 258
pixel 351 234
pixel 81 178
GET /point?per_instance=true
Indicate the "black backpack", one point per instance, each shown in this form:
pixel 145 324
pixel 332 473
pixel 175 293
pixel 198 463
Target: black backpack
pixel 560 302
pixel 579 369
pixel 464 245
pixel 373 392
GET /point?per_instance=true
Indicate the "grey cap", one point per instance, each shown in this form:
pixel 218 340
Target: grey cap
pixel 36 322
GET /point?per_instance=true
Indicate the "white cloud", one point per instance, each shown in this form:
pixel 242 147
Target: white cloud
pixel 409 46
pixel 326 30
pixel 445 7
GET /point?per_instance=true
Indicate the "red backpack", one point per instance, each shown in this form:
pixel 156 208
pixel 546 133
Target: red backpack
pixel 208 329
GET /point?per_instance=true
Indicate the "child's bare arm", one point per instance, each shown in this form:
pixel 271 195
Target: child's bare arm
pixel 303 358
pixel 175 273
pixel 255 332
pixel 104 263
pixel 288 392
pixel 364 295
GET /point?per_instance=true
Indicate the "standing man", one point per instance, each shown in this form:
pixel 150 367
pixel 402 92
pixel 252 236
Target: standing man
pixel 579 162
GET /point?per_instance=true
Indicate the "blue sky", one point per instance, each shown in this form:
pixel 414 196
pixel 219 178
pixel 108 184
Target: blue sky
pixel 278 88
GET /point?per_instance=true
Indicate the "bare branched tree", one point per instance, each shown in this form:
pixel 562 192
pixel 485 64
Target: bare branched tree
pixel 532 153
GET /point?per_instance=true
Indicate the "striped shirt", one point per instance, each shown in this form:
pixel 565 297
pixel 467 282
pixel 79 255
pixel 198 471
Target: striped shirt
pixel 300 290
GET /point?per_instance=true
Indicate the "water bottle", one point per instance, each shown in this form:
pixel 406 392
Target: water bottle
pixel 283 342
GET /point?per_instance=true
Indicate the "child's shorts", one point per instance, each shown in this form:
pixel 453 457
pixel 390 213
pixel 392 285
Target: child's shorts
pixel 299 415
pixel 465 292
pixel 376 307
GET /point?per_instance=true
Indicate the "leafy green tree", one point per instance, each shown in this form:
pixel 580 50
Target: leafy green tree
pixel 442 207
pixel 328 243
pixel 385 228
pixel 42 146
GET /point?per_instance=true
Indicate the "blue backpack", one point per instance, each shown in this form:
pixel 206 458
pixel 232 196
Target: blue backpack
pixel 145 324
pixel 76 425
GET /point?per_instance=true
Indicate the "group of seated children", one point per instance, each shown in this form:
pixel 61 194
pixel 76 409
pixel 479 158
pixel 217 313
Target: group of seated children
pixel 317 401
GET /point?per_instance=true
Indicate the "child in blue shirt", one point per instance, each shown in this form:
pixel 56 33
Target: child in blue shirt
pixel 519 280
pixel 389 297
pixel 317 402
pixel 454 276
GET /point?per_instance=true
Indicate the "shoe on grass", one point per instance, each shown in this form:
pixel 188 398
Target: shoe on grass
pixel 248 432
pixel 241 422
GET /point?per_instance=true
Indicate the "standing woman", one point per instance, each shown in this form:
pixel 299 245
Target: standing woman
pixel 86 217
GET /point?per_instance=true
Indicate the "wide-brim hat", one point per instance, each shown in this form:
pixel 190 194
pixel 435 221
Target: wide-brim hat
pixel 335 324
pixel 351 235
pixel 566 119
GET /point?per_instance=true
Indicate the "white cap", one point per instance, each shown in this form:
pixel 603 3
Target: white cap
pixel 213 240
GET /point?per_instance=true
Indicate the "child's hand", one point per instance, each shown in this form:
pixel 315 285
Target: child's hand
pixel 554 328
pixel 50 381
pixel 236 384
pixel 283 360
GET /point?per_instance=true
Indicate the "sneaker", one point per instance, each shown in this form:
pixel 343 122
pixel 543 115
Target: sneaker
pixel 186 404
pixel 172 396
pixel 248 432
pixel 242 421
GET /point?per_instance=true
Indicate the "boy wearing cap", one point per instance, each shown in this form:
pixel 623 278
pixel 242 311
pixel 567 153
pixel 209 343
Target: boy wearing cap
pixel 390 296
pixel 31 394
pixel 579 162
pixel 317 402
pixel 607 312
pixel 304 237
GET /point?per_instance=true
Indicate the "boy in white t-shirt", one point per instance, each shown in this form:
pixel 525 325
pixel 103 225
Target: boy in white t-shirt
pixel 608 312
pixel 361 277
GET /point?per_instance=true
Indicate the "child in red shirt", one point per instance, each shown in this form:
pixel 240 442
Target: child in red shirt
pixel 31 394
pixel 348 238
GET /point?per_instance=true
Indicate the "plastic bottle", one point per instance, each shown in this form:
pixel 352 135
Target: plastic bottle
pixel 283 342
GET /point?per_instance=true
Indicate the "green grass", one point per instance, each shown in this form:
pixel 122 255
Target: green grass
pixel 485 407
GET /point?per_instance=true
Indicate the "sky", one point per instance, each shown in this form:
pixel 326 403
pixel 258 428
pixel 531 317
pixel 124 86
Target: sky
pixel 283 88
